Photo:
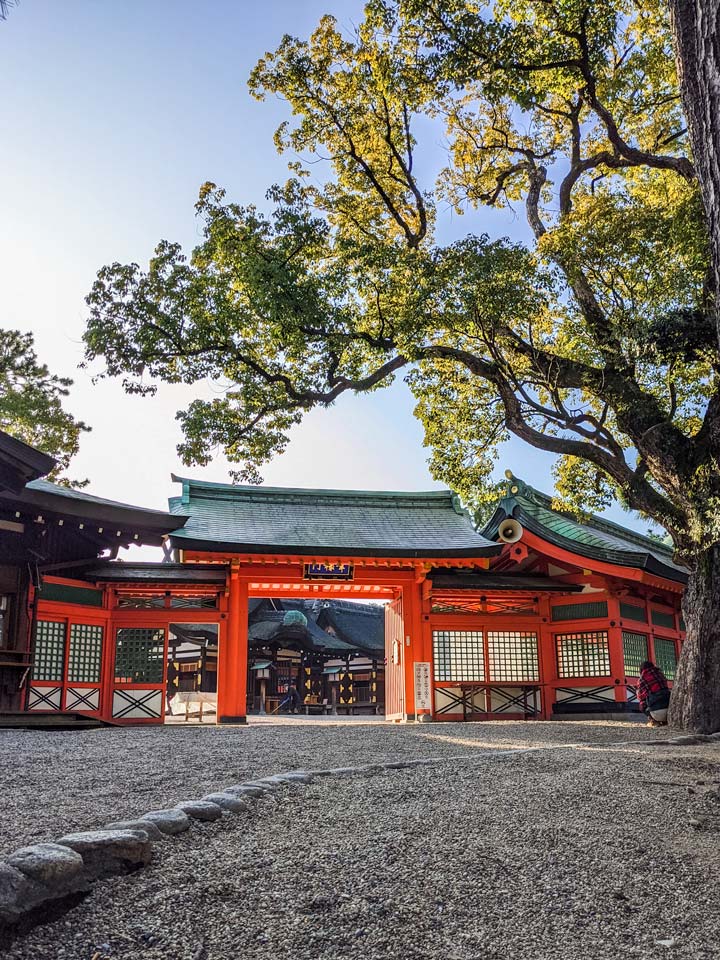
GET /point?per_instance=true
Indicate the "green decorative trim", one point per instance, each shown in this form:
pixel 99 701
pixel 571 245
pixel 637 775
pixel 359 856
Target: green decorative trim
pixel 63 593
pixel 661 619
pixel 580 611
pixel 629 611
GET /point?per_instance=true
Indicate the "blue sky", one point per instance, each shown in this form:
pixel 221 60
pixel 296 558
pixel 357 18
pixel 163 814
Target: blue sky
pixel 113 114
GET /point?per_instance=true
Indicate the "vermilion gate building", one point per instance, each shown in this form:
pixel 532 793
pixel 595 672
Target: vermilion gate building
pixel 539 615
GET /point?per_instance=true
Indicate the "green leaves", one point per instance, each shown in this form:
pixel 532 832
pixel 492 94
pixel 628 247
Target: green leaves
pixel 31 401
pixel 589 341
pixel 353 101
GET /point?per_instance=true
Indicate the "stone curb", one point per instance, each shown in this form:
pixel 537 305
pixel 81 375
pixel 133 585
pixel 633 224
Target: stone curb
pixel 46 874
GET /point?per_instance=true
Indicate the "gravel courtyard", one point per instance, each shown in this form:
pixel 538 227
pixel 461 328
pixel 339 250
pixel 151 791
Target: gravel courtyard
pixel 596 850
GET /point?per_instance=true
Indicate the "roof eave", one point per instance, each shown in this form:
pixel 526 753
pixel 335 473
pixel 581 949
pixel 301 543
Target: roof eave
pixel 239 490
pixel 20 463
pixel 124 515
pixel 184 542
pixel 637 560
pixel 113 572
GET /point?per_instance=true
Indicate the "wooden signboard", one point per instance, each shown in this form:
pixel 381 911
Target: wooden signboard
pixel 328 571
pixel 423 688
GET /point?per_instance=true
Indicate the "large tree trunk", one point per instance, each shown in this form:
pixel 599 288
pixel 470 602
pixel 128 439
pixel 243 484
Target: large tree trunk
pixel 696 26
pixel 695 701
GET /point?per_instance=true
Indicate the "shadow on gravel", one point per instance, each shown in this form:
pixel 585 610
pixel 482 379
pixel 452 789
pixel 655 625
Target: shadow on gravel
pixel 45 913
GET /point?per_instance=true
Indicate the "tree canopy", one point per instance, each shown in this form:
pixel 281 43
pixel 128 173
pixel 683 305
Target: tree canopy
pixel 31 401
pixel 591 340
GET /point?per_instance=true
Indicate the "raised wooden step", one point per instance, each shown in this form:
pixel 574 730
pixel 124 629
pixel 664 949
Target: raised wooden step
pixel 48 721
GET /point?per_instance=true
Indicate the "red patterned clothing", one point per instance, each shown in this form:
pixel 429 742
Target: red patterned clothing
pixel 652 681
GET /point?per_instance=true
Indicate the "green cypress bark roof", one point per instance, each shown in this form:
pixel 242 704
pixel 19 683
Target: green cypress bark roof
pixel 325 522
pixel 589 536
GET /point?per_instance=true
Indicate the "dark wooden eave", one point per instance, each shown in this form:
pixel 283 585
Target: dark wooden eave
pixel 143 574
pixel 499 583
pixel 49 524
pixel 20 463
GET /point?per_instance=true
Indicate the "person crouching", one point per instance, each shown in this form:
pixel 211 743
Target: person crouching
pixel 653 694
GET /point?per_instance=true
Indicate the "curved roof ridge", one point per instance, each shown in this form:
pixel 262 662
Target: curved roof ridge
pixel 263 491
pixel 590 519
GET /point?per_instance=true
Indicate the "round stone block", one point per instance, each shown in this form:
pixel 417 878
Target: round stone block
pixel 107 853
pixel 53 864
pixel 168 821
pixel 147 826
pixel 227 802
pixel 18 894
pixel 245 790
pixel 200 809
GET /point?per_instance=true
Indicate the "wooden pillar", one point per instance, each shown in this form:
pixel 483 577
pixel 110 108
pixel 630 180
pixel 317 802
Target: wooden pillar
pixel 415 649
pixel 547 658
pixel 427 638
pixel 233 655
pixel 616 649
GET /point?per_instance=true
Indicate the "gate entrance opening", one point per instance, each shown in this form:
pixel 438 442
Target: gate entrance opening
pixel 316 656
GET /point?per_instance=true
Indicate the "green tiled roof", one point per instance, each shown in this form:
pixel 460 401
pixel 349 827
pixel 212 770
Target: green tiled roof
pixel 592 537
pixel 325 522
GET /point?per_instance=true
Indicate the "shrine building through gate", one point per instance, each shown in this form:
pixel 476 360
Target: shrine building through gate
pixel 537 615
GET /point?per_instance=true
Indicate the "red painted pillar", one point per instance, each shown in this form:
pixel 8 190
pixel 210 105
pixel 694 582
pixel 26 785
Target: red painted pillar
pixel 415 649
pixel 616 650
pixel 547 659
pixel 233 655
pixel 427 638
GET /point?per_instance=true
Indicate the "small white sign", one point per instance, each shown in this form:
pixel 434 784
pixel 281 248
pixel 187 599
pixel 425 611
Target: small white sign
pixel 423 692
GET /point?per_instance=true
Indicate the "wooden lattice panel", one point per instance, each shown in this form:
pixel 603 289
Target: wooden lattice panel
pixel 49 656
pixel 139 655
pixel 513 655
pixel 635 651
pixel 584 654
pixel 85 654
pixel 458 655
pixel 666 656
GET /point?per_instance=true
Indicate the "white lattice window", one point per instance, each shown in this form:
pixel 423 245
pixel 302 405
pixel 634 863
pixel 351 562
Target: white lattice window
pixel 458 655
pixel 513 655
pixel 583 654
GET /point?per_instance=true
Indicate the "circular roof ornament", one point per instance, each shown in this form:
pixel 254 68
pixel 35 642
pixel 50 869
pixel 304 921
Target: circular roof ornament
pixel 294 618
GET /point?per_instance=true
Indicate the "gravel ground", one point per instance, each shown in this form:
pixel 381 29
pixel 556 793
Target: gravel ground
pixel 596 851
pixel 54 782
